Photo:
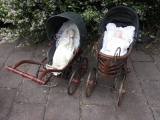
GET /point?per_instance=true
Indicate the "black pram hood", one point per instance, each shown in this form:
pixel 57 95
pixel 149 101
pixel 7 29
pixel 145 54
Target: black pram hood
pixel 121 16
pixel 55 22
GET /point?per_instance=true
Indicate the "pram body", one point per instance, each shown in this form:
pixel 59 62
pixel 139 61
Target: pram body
pixel 114 67
pixel 43 75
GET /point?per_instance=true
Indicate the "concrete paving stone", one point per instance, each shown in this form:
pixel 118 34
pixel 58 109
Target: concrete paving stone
pixel 132 83
pixel 9 79
pixel 98 113
pixel 18 56
pixel 146 70
pixel 41 53
pixel 62 84
pixel 61 106
pixel 25 48
pixel 6 100
pixel 99 96
pixel 6 50
pixel 2 62
pixel 32 92
pixel 140 56
pixel 133 107
pixel 22 111
pixel 156 112
pixel 157 60
pixel 152 91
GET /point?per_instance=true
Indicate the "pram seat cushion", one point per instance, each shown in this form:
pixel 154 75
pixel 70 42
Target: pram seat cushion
pixel 117 38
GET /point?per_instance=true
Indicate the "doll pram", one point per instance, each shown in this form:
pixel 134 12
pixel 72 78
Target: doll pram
pixel 113 67
pixel 43 75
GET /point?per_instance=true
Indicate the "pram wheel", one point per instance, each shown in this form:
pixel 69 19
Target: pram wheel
pixel 41 67
pixel 67 74
pixel 74 81
pixel 76 76
pixel 91 80
pixel 118 85
pixel 121 90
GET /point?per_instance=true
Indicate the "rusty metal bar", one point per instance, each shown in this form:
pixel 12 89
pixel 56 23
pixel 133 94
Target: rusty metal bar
pixel 26 61
pixel 33 78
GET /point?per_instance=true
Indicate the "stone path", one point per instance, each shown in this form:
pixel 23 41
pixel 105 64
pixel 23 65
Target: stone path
pixel 22 99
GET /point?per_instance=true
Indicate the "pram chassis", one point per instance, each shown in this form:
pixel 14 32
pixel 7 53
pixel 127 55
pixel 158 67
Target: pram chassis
pixel 43 75
pixel 114 67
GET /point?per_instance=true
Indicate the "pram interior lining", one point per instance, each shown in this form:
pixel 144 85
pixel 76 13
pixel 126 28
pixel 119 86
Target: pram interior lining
pixel 66 25
pixel 67 43
pixel 55 23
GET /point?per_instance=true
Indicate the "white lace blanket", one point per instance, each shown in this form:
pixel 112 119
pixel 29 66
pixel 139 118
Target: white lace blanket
pixel 115 37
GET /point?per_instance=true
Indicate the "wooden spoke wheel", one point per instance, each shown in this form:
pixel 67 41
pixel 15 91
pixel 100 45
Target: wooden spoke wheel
pixel 74 82
pixel 121 90
pixel 91 81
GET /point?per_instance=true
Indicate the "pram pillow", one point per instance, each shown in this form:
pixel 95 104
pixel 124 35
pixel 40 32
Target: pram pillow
pixel 117 37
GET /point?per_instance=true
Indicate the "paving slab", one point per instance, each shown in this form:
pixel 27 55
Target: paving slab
pixel 31 92
pixel 23 99
pixel 146 70
pixel 18 56
pixel 99 96
pixel 6 50
pixel 156 60
pixel 2 62
pixel 61 106
pixel 156 112
pixel 41 51
pixel 140 56
pixel 132 83
pixel 6 100
pixel 98 113
pixel 152 91
pixel 134 106
pixel 9 79
pixel 21 111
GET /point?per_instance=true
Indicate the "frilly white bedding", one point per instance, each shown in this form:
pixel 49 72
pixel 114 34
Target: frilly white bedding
pixel 111 41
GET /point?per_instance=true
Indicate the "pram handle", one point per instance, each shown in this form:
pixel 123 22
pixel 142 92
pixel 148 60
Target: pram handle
pixel 33 78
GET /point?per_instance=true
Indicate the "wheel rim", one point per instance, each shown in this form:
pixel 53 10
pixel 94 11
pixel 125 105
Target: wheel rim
pixel 120 91
pixel 73 83
pixel 41 68
pixel 67 74
pixel 90 82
